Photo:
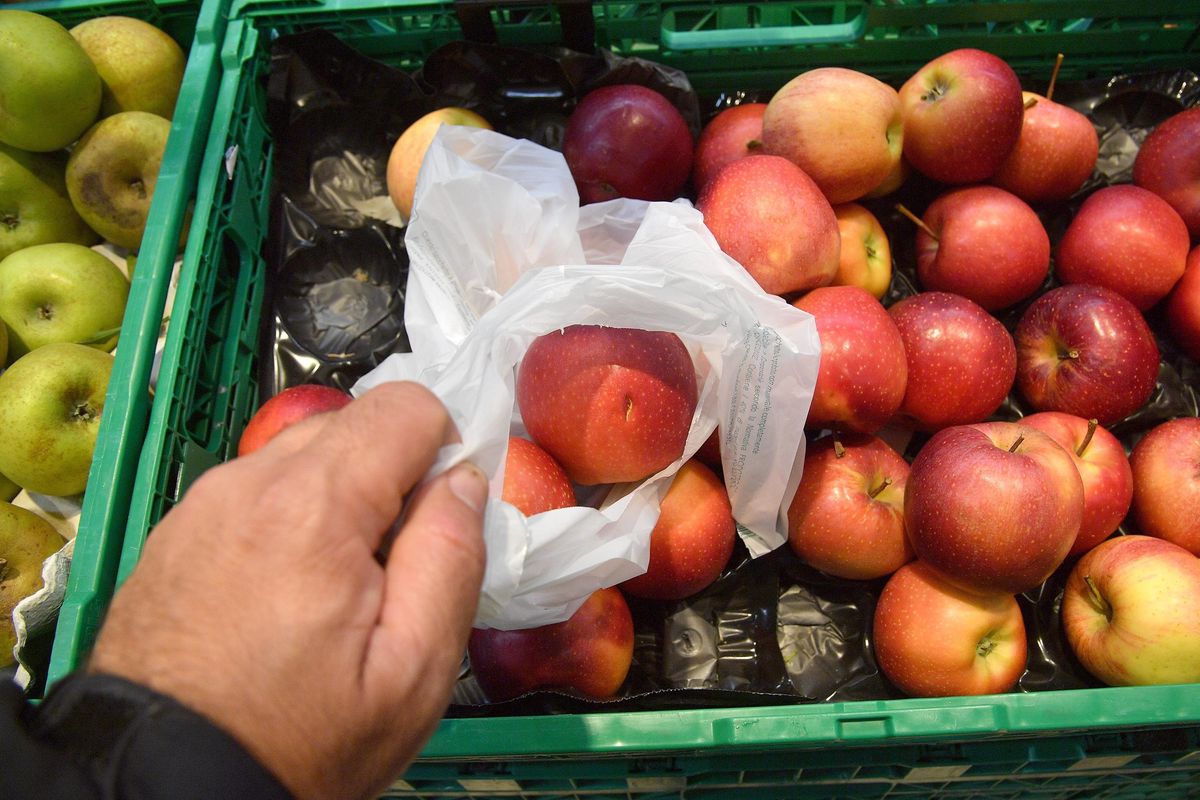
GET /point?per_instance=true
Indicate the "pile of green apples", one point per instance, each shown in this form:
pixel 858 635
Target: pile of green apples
pixel 84 119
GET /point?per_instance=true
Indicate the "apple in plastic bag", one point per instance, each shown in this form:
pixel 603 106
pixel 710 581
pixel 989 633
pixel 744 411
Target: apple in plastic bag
pixel 692 540
pixel 533 481
pixel 1054 154
pixel 932 639
pixel 609 404
pixel 734 133
pixel 140 66
pixel 627 140
pixel 588 654
pixel 847 518
pixel 292 405
pixel 51 403
pixel 1166 483
pixel 60 293
pixel 1168 164
pixel 1131 612
pixel 404 160
pixel 34 205
pixel 26 541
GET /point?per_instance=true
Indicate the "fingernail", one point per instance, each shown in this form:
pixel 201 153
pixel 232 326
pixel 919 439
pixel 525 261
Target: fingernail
pixel 469 485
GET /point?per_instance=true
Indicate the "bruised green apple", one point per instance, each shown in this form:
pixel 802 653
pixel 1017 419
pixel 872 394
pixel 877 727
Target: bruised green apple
pixel 60 293
pixel 49 88
pixel 26 541
pixel 34 205
pixel 112 172
pixel 51 402
pixel 140 66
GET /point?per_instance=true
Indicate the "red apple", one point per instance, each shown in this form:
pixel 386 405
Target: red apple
pixel 990 247
pixel 841 126
pixel 847 518
pixel 692 540
pixel 962 115
pixel 1166 483
pixel 1127 239
pixel 773 220
pixel 709 453
pixel 1088 351
pixel 993 507
pixel 934 640
pixel 1183 307
pixel 1168 164
pixel 1103 468
pixel 862 375
pixel 734 133
pixel 533 481
pixel 627 141
pixel 866 255
pixel 961 360
pixel 1131 612
pixel 589 654
pixel 290 406
pixel 1054 155
pixel 609 404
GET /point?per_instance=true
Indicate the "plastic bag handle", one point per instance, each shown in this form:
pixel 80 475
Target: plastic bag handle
pixel 575 16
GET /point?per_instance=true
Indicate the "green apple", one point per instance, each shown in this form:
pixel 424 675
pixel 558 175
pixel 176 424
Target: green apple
pixel 112 172
pixel 34 205
pixel 141 67
pixel 49 88
pixel 26 541
pixel 51 402
pixel 60 293
pixel 8 489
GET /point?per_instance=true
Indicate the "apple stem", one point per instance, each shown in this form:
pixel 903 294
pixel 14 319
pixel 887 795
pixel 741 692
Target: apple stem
pixel 754 144
pixel 839 449
pixel 1072 354
pixel 1017 443
pixel 1031 102
pixel 920 223
pixel 1087 439
pixel 985 646
pixel 10 221
pixel 876 491
pixel 1054 76
pixel 1097 598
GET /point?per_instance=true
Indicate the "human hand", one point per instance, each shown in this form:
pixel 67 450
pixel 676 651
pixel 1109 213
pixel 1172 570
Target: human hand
pixel 259 601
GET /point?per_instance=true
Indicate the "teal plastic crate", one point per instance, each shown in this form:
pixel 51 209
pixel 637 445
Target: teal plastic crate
pixel 1095 743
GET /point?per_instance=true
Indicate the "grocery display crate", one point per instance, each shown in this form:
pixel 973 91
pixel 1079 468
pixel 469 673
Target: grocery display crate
pixel 1089 743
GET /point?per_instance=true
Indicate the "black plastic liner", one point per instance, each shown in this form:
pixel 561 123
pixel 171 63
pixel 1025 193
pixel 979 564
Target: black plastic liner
pixel 770 630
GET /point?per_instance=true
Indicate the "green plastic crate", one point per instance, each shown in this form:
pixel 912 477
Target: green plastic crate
pixel 1096 743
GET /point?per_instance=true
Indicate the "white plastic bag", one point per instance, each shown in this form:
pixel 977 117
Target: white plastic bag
pixel 501 253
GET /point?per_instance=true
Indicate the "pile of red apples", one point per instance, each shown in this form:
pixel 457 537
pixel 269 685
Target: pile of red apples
pixel 987 509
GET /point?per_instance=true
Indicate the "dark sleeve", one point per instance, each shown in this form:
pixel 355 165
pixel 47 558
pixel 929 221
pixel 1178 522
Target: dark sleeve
pixel 99 736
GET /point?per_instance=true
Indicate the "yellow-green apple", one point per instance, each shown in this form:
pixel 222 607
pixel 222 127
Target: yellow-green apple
pixel 49 88
pixel 847 518
pixel 1131 612
pixel 863 371
pixel 993 507
pixel 987 245
pixel 292 405
pixel 1127 239
pixel 961 360
pixel 609 404
pixel 588 654
pixel 140 66
pixel 533 481
pixel 26 541
pixel 866 255
pixel 627 140
pixel 1088 351
pixel 773 220
pixel 1183 307
pixel 1166 482
pixel 60 293
pixel 51 402
pixel 1168 164
pixel 34 205
pixel 841 126
pixel 1055 153
pixel 734 133
pixel 692 540
pixel 407 154
pixel 932 639
pixel 8 489
pixel 962 115
pixel 1103 468
pixel 112 172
